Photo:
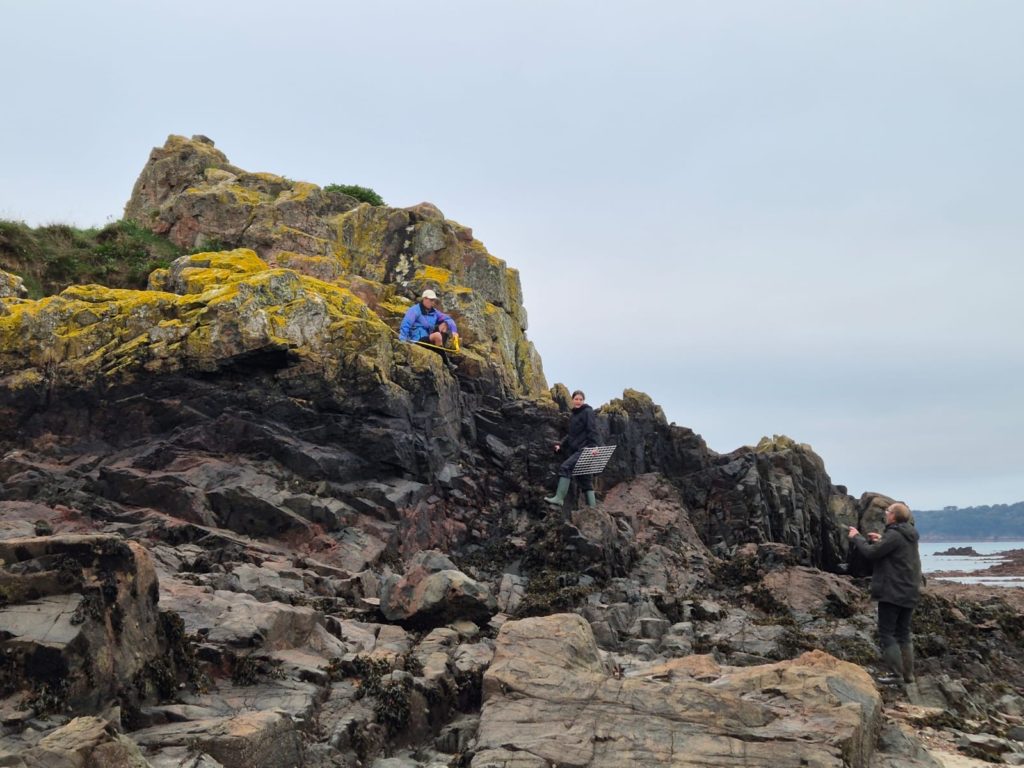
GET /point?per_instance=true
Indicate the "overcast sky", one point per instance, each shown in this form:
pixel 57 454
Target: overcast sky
pixel 793 217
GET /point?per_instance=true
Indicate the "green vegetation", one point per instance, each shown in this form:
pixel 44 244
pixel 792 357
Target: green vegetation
pixel 52 257
pixel 362 194
pixel 999 521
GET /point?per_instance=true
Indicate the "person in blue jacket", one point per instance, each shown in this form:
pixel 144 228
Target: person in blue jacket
pixel 425 322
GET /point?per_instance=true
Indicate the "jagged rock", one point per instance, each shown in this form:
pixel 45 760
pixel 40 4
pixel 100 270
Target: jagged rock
pixel 900 748
pixel 433 591
pixel 778 491
pixel 182 757
pixel 79 624
pixel 984 746
pixel 241 621
pixel 808 591
pixel 11 286
pixel 190 192
pixel 261 692
pixel 675 559
pixel 85 742
pixel 511 592
pixel 380 641
pixel 647 442
pixel 253 738
pixel 741 636
pixel 549 698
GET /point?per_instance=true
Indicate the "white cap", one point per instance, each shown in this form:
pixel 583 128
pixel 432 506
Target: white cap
pixel 429 294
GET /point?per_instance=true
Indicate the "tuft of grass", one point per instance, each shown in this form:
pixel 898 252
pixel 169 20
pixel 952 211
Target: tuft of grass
pixel 362 194
pixel 54 256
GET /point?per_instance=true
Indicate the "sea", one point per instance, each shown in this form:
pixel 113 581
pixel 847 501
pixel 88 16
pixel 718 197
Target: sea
pixel 989 551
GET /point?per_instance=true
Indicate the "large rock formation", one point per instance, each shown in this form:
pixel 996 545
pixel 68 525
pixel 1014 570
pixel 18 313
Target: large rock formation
pixel 549 698
pixel 387 256
pixel 338 525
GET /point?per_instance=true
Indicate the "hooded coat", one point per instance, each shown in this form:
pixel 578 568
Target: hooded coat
pixel 582 430
pixel 896 577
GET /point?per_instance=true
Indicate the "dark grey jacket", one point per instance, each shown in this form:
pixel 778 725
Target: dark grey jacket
pixel 896 577
pixel 582 430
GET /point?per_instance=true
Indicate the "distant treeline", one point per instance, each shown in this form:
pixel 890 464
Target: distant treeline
pixel 1000 521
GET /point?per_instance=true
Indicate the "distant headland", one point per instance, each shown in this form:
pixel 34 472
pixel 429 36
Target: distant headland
pixel 998 522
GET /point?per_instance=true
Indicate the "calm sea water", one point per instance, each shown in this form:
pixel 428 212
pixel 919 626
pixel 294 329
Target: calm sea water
pixel 931 562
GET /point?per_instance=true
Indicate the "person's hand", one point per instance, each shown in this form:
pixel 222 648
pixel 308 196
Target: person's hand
pixel 558 447
pixel 853 532
pixel 874 536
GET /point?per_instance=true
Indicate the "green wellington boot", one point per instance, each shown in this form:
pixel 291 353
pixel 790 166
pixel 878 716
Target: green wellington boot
pixel 892 659
pixel 907 651
pixel 591 499
pixel 563 488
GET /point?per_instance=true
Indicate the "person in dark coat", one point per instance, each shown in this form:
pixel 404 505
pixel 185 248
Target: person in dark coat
pixel 895 584
pixel 582 434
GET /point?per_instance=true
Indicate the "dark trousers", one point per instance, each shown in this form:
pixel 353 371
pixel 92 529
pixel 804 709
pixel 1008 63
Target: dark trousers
pixel 893 624
pixel 565 470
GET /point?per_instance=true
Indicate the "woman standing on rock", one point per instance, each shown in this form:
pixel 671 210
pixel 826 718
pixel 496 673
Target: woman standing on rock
pixel 582 434
pixel 895 584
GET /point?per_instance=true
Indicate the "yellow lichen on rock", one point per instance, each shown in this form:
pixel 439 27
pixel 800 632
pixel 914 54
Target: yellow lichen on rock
pixel 299 192
pixel 442 277
pixel 233 304
pixel 388 256
pixel 240 194
pixel 360 233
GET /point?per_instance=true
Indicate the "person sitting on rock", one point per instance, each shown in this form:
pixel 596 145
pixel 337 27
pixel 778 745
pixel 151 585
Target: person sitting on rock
pixel 425 322
pixel 582 434
pixel 895 584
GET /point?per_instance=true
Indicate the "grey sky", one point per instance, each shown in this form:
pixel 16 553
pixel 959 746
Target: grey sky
pixel 799 218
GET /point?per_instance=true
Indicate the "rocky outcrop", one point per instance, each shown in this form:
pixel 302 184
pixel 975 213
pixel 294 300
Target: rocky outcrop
pixel 85 742
pixel 349 540
pixel 189 192
pixel 549 697
pixel 79 624
pixel 217 309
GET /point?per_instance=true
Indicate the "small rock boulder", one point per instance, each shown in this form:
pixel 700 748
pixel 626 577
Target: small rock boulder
pixel 433 592
pixel 85 742
pixel 12 286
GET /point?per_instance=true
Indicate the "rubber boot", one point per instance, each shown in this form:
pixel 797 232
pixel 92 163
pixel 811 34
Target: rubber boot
pixel 893 661
pixel 591 499
pixel 563 488
pixel 907 652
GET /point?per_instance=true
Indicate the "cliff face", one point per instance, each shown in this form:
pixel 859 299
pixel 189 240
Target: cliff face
pixel 337 524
